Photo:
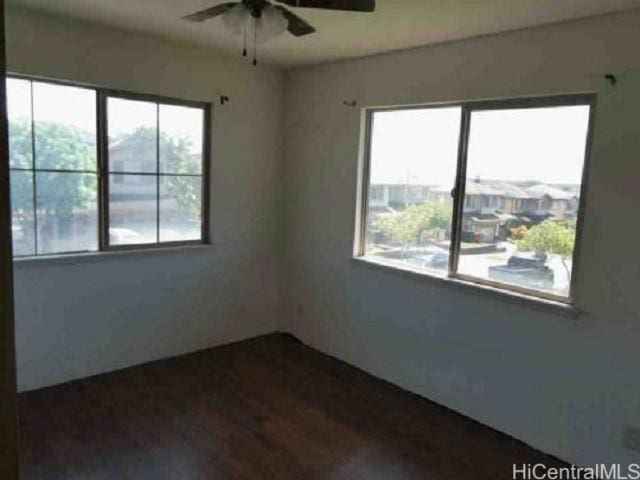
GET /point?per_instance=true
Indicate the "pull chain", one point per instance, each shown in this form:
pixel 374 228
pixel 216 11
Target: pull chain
pixel 255 43
pixel 244 45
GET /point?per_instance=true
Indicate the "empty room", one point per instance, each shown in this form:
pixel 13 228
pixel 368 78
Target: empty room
pixel 319 239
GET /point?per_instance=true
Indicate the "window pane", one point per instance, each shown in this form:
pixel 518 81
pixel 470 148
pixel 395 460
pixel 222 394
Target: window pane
pixel 524 173
pixel 22 219
pixel 65 127
pixel 181 139
pixel 67 212
pixel 412 172
pixel 180 208
pixel 19 114
pixel 133 136
pixel 132 209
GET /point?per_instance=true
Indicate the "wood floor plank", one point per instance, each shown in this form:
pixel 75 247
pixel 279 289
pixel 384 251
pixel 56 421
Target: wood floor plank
pixel 269 408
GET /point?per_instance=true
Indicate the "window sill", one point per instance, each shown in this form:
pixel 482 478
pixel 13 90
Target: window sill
pixel 92 257
pixel 566 309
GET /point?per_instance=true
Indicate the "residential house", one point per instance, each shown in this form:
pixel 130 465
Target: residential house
pixel 397 195
pixel 491 207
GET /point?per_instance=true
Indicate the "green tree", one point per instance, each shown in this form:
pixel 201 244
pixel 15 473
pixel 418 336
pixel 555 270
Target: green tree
pixel 175 152
pixel 550 237
pixel 57 147
pixel 63 147
pixel 416 221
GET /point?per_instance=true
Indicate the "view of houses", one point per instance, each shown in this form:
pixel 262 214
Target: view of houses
pixel 143 206
pixel 133 197
pixel 491 207
pixel 496 214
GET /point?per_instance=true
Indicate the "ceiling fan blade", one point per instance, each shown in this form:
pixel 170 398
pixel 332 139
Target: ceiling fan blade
pixel 348 5
pixel 297 26
pixel 212 12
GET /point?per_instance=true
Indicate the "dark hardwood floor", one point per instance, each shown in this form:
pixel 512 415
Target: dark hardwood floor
pixel 267 408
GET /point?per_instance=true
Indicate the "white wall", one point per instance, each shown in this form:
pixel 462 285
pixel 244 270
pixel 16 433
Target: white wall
pixel 563 385
pixel 74 320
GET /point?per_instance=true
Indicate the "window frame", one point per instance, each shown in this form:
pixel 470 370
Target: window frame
pixel 458 192
pixel 102 167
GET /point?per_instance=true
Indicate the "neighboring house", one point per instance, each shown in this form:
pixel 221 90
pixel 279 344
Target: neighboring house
pixel 513 198
pixel 558 203
pixel 491 208
pixel 397 195
pixel 481 197
pixel 440 195
pixel 132 155
pixel 378 196
pixel 132 198
pixel 136 194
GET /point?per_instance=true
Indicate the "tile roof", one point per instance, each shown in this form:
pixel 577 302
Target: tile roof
pixel 541 190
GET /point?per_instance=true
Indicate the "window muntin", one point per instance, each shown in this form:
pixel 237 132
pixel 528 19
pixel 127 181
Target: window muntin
pixel 133 209
pixel 19 113
pixel 155 162
pixel 153 189
pixel 518 191
pixel 180 131
pixel 67 212
pixel 54 170
pixel 23 227
pixel 69 113
pixel 180 207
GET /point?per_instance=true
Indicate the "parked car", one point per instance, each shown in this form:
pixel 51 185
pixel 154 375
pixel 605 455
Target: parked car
pixel 118 235
pixel 431 257
pixel 471 237
pixel 526 270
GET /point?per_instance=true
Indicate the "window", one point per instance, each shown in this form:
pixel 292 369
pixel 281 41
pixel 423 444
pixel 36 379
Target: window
pixel 94 170
pixel 54 170
pixel 413 152
pixel 155 158
pixel 487 192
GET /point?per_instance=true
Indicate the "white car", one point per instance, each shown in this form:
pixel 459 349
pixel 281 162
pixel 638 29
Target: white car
pixel 123 236
pixel 429 258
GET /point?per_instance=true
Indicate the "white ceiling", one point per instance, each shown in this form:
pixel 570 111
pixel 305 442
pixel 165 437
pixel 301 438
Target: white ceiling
pixel 396 24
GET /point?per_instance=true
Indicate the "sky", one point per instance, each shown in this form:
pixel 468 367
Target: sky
pixel 125 116
pixel 420 146
pixel 416 146
pixel 77 107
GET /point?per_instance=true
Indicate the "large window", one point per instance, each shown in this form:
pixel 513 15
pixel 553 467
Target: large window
pixel 94 170
pixel 155 154
pixel 487 192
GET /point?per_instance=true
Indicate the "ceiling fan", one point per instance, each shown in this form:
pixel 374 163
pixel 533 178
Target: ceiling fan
pixel 265 20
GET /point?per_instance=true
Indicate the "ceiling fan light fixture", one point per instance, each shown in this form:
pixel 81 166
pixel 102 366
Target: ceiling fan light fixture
pixel 237 19
pixel 271 22
pixel 260 21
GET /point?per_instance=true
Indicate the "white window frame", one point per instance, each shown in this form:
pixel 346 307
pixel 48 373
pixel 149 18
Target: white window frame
pixel 458 192
pixel 102 172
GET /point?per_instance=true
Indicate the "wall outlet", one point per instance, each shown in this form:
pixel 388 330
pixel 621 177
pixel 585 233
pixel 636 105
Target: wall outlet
pixel 631 438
